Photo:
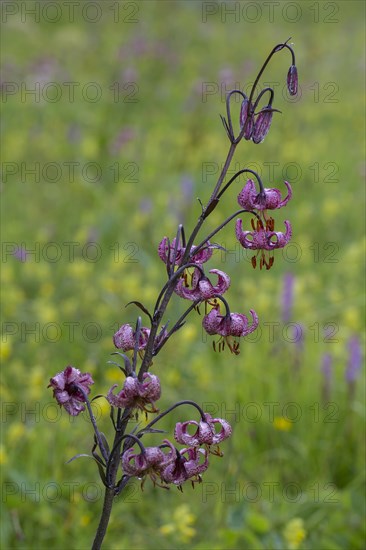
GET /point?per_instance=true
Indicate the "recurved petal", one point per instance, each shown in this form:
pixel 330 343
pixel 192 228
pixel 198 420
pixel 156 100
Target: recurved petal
pixel 288 196
pixel 247 239
pixel 150 387
pixel 247 195
pixel 186 292
pixel 120 400
pixel 194 464
pixel 225 430
pixel 255 322
pixel 211 321
pixel 124 338
pixel 223 281
pixel 203 255
pixel 182 436
pixel 279 240
pixel 134 464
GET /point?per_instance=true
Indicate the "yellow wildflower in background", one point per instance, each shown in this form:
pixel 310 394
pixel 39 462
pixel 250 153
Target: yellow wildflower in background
pixel 282 424
pixel 5 350
pixel 36 383
pixel 181 524
pixel 351 318
pixel 3 455
pixel 85 520
pixel 16 433
pixel 294 533
pixel 114 375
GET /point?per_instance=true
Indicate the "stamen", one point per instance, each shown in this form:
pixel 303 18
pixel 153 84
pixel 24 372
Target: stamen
pixel 270 224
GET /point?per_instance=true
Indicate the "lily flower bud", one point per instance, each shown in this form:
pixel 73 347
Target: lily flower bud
pixel 244 120
pixel 292 80
pixel 262 124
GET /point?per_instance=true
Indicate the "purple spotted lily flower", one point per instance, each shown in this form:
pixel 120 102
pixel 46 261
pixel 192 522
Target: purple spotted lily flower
pixel 66 389
pixel 202 288
pixel 264 239
pixel 205 433
pixel 151 462
pixel 270 199
pixel 166 252
pixel 136 394
pixel 172 467
pixel 186 467
pixel 138 464
pixel 233 325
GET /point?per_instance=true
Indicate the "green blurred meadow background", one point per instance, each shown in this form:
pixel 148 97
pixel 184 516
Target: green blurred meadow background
pixel 110 132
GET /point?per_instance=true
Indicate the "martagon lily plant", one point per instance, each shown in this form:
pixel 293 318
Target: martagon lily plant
pixel 125 456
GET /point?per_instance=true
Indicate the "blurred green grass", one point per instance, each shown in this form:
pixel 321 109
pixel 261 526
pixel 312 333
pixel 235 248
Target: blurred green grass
pixel 169 138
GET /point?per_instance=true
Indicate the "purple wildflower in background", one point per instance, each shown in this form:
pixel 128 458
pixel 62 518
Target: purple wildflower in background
pixel 354 365
pixel 20 254
pixel 287 297
pixel 299 345
pixel 327 371
pixel 354 359
pixel 125 135
pixel 146 206
pixel 186 188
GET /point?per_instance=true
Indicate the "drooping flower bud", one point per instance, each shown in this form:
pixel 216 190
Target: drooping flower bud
pixel 262 124
pixel 244 120
pixel 125 338
pixel 292 80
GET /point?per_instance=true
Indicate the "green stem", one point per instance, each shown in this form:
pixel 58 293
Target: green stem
pixel 109 495
pixel 104 519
